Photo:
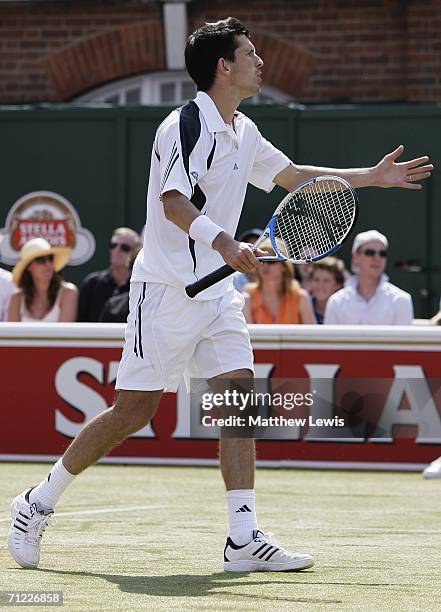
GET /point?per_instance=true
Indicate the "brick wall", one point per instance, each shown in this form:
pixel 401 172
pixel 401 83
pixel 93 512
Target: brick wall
pixel 364 50
pixel 31 33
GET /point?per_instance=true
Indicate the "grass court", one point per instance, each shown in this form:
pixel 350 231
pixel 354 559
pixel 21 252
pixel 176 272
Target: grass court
pixel 152 538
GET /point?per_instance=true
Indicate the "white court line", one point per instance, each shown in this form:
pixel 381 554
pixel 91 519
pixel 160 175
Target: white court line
pixel 100 511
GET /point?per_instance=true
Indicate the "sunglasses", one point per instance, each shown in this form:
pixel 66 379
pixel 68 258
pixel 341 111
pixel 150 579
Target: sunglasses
pixel 121 245
pixel 44 258
pixel 372 252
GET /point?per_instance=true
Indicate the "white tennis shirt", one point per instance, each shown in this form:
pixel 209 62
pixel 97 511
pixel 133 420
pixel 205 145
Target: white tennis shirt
pixel 196 153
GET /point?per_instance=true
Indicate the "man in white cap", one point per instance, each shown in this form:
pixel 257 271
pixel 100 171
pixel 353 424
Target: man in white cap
pixel 368 298
pixel 7 288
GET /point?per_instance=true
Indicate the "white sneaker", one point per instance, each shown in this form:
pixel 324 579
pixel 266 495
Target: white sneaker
pixel 263 554
pixel 26 530
pixel 433 470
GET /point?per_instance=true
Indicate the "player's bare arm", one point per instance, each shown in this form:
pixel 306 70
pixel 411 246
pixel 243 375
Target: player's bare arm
pixel 179 210
pixel 387 173
pixel 290 236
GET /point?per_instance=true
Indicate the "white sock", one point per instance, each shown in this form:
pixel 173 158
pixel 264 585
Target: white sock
pixel 49 491
pixel 241 515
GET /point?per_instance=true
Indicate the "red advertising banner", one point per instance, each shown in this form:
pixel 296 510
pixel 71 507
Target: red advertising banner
pixel 56 377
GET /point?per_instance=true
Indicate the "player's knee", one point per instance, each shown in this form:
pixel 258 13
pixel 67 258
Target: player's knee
pixel 242 374
pixel 130 420
pixel 135 414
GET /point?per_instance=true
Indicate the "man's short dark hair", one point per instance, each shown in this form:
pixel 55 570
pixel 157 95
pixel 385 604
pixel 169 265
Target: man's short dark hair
pixel 207 45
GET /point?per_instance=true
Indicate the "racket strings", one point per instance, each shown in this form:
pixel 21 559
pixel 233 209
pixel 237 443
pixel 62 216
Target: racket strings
pixel 314 220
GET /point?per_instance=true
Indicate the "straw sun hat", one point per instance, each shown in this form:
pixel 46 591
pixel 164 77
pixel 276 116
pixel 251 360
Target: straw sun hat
pixel 39 247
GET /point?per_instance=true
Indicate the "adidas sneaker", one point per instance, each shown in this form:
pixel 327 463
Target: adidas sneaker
pixel 263 554
pixel 26 530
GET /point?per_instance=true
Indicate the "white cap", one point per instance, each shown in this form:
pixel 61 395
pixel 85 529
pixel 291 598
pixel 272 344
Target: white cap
pixel 369 236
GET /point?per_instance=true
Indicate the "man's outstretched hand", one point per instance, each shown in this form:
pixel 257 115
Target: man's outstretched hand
pixel 390 173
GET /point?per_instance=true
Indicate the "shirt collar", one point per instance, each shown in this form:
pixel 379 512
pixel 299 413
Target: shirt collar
pixel 353 281
pixel 209 110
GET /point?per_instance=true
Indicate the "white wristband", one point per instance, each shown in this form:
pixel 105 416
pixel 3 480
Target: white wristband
pixel 204 230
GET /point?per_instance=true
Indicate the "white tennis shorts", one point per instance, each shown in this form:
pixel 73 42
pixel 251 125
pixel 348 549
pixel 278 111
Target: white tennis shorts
pixel 169 335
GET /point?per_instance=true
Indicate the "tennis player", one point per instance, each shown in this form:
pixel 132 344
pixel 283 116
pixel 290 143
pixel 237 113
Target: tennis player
pixel 204 155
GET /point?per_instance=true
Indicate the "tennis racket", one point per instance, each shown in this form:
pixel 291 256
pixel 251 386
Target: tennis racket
pixel 310 223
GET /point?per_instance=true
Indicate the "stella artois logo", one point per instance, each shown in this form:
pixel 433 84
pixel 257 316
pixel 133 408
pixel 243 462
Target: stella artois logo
pixel 44 214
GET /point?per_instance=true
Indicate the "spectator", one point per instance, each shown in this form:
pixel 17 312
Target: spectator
pixel 42 294
pixel 277 297
pixel 368 298
pixel 98 287
pixel 116 309
pixel 303 273
pixel 240 279
pixel 328 276
pixel 7 288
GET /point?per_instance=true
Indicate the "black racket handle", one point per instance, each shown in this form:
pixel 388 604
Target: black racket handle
pixel 209 280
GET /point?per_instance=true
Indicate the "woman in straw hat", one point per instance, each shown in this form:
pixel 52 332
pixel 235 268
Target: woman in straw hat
pixel 42 294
